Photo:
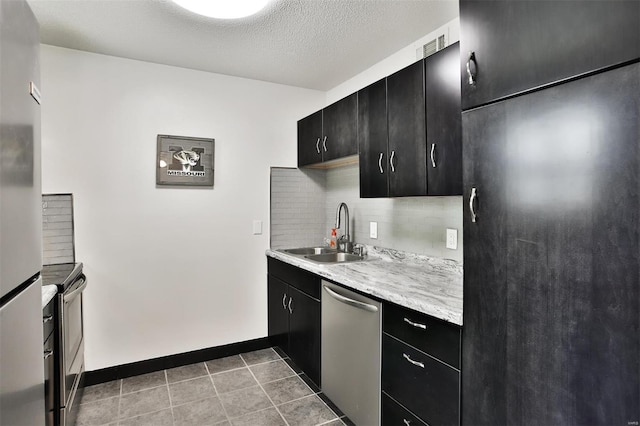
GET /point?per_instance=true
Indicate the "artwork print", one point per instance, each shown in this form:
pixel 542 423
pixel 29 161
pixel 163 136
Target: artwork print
pixel 184 161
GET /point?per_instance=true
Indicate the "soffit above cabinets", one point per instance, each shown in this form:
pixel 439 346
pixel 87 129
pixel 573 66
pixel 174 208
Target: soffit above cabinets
pixel 315 44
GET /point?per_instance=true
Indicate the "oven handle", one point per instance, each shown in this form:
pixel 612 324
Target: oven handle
pixel 69 297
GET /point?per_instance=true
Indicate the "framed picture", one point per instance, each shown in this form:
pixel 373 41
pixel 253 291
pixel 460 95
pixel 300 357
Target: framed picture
pixel 184 161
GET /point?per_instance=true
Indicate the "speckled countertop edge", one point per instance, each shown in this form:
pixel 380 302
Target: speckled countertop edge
pixel 48 293
pixel 429 285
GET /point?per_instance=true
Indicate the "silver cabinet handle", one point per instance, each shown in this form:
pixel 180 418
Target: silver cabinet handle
pixel 324 144
pixel 318 145
pixel 47 319
pixel 416 363
pixel 48 353
pixel 393 154
pixel 472 201
pixel 351 302
pixel 290 309
pixel 433 160
pixel 284 301
pixel 380 163
pixel 472 73
pixel 415 324
pixel 406 422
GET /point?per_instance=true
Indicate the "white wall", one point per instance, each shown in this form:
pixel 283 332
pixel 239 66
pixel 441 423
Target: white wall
pixel 402 58
pixel 169 270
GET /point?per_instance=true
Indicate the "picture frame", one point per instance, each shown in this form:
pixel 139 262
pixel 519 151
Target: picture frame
pixel 185 161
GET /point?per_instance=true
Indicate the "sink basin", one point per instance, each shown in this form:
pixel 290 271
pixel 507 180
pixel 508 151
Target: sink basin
pixel 311 250
pixel 335 257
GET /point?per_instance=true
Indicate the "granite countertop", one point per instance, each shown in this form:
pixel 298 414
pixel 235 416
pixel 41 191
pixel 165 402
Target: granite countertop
pixel 48 293
pixel 425 284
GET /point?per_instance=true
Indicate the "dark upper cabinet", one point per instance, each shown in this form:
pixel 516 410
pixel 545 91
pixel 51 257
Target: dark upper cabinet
pixel 339 127
pixel 520 45
pixel 328 134
pixel 407 135
pixel 310 139
pixel 444 122
pixel 373 140
pixel 552 260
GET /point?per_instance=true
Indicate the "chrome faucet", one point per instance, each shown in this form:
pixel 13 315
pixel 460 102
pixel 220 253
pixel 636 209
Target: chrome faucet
pixel 344 242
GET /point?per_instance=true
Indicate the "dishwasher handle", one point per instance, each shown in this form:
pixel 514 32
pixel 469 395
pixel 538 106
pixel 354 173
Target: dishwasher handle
pixel 351 302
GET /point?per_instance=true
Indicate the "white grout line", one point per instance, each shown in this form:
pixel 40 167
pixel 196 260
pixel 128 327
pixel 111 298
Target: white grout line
pixel 215 389
pixel 119 402
pixel 265 392
pixel 166 381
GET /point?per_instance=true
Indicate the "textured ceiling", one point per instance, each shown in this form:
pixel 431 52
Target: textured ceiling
pixel 316 44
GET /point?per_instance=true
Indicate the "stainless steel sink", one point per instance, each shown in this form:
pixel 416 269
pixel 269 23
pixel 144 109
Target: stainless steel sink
pixel 335 257
pixel 310 250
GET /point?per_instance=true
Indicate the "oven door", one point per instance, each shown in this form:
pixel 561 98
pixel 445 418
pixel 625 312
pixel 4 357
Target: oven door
pixel 72 341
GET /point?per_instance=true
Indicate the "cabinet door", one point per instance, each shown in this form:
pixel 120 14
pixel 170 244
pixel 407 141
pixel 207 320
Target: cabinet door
pixel 569 295
pixel 339 127
pixel 373 140
pixel 310 139
pixel 304 333
pixel 521 44
pixel 278 315
pixel 444 122
pixel 407 135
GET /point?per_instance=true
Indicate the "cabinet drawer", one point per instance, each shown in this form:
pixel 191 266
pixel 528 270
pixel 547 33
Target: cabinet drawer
pixel 430 335
pixel 292 275
pixel 48 318
pixel 393 414
pixel 426 386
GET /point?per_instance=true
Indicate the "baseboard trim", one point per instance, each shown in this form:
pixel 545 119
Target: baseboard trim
pixel 108 374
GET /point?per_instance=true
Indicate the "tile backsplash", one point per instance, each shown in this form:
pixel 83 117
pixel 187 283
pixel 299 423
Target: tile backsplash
pixel 57 229
pixel 413 224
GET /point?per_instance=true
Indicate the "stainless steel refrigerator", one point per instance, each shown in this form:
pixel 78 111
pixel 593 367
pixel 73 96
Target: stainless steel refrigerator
pixel 21 343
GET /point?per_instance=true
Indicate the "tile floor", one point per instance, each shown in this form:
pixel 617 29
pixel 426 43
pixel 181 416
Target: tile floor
pixel 255 388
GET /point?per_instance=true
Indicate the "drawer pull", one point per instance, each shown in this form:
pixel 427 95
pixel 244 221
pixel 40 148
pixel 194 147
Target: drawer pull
pixel 415 324
pixel 47 353
pixel 47 319
pixel 417 363
pixel 406 422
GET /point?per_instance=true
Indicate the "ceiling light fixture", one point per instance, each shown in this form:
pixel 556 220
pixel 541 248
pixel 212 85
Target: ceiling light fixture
pixel 223 9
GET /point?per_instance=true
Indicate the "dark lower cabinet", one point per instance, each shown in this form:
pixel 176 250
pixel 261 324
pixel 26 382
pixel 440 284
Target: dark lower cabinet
pixel 419 379
pixel 524 44
pixel 394 414
pixel 294 315
pixel 552 259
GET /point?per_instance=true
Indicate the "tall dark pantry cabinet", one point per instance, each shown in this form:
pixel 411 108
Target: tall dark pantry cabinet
pixel 551 159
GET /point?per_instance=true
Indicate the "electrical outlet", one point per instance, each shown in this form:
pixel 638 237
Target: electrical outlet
pixel 373 229
pixel 257 227
pixel 452 239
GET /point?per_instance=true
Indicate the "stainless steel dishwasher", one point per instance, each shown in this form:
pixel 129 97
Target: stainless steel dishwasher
pixel 351 347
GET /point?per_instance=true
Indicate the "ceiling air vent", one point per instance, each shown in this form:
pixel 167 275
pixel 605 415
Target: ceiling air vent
pixel 431 47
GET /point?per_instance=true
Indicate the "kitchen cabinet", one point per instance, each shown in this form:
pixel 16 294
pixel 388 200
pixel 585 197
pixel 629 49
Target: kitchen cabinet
pixel 521 45
pixel 373 140
pixel 294 315
pixel 328 134
pixel 49 338
pixel 551 225
pixel 420 368
pixel 409 130
pixel 444 122
pixel 407 133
